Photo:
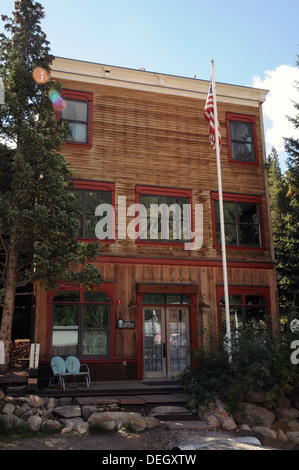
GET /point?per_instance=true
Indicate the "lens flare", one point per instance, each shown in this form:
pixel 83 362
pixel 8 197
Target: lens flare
pixel 57 101
pixel 40 75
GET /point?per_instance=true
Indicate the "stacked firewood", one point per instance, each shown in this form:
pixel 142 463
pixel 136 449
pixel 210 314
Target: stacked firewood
pixel 20 353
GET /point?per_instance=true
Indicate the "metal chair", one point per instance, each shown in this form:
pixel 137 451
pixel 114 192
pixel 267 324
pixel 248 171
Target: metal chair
pixel 73 367
pixel 58 367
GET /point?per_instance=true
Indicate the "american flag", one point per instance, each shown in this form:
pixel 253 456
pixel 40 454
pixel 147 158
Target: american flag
pixel 209 115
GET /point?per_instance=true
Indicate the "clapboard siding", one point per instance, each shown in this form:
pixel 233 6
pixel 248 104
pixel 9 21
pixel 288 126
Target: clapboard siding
pixel 147 138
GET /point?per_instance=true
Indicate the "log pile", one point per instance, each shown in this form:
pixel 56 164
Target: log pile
pixel 19 354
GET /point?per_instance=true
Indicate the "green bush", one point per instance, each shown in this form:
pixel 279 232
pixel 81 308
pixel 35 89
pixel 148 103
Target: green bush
pixel 258 363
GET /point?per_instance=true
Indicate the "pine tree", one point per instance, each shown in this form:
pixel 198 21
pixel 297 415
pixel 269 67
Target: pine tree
pixel 292 223
pixel 279 205
pixel 39 218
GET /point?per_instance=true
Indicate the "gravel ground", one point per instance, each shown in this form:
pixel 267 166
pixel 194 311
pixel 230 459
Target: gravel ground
pixel 157 439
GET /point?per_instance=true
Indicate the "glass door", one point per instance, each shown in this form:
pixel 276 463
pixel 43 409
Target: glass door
pixel 166 341
pixel 178 340
pixel 154 342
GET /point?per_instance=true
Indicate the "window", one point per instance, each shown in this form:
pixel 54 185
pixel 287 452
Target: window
pixel 93 194
pixel 78 112
pixel 248 306
pixel 167 299
pixel 241 132
pixel 164 214
pixel 242 221
pixel 81 324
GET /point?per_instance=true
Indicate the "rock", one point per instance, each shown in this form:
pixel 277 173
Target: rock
pixel 212 421
pixel 293 425
pixel 36 401
pixel 2 395
pixel 169 410
pixel 137 424
pixel 119 417
pixel 50 403
pixel 287 413
pixel 245 427
pixel 109 425
pixel 52 425
pixel 21 410
pixel 12 421
pixel 71 423
pixel 27 415
pixel 66 431
pixel 151 422
pixel 34 422
pixel 293 436
pixel 87 410
pixel 252 415
pixel 281 435
pixel 217 410
pixel 8 409
pixel 82 428
pixel 264 431
pixel 68 411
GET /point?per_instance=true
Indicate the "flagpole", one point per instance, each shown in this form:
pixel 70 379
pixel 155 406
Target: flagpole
pixel 223 245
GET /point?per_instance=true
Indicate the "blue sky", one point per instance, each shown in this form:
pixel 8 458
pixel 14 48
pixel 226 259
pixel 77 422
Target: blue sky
pixel 253 43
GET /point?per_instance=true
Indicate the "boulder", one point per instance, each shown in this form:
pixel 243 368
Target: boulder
pixel 8 409
pixel 34 422
pixel 68 411
pixel 293 436
pixel 287 413
pixel 254 415
pixel 218 410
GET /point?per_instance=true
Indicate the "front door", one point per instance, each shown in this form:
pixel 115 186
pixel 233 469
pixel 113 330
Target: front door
pixel 166 341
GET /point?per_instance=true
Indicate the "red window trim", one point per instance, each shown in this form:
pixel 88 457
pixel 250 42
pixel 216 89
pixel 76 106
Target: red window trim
pixel 80 96
pixel 162 191
pixel 236 197
pixel 263 291
pixel 241 118
pixel 97 186
pixel 107 287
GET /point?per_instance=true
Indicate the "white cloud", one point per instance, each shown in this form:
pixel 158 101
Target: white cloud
pixel 279 104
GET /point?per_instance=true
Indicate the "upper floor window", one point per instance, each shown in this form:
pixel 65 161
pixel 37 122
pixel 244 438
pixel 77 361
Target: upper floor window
pixel 93 195
pixel 164 214
pixel 241 135
pixel 78 112
pixel 242 220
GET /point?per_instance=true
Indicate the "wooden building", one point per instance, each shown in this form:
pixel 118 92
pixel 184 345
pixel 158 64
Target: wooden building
pixel 141 138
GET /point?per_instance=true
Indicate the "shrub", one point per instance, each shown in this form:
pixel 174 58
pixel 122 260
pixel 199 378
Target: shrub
pixel 258 362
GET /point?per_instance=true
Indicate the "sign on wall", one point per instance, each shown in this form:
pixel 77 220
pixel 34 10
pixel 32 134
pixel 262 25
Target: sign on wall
pixel 34 356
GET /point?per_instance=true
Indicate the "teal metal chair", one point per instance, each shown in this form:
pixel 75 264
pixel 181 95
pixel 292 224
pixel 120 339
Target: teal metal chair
pixel 74 367
pixel 59 371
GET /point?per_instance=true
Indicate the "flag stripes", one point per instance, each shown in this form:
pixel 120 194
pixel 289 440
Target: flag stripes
pixel 209 115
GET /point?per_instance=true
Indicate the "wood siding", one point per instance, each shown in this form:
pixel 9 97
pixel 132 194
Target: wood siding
pixel 159 139
pixel 146 138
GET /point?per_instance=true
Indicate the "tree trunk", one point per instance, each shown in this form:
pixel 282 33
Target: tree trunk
pixel 9 301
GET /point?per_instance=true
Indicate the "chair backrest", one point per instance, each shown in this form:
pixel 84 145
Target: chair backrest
pixel 58 365
pixel 72 364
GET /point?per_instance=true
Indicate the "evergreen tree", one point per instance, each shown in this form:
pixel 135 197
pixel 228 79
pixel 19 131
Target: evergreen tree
pixel 39 218
pixel 292 222
pixel 279 213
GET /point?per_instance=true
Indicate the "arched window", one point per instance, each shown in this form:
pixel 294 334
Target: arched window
pixel 81 324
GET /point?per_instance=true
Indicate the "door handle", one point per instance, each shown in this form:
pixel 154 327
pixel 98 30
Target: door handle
pixel 164 350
